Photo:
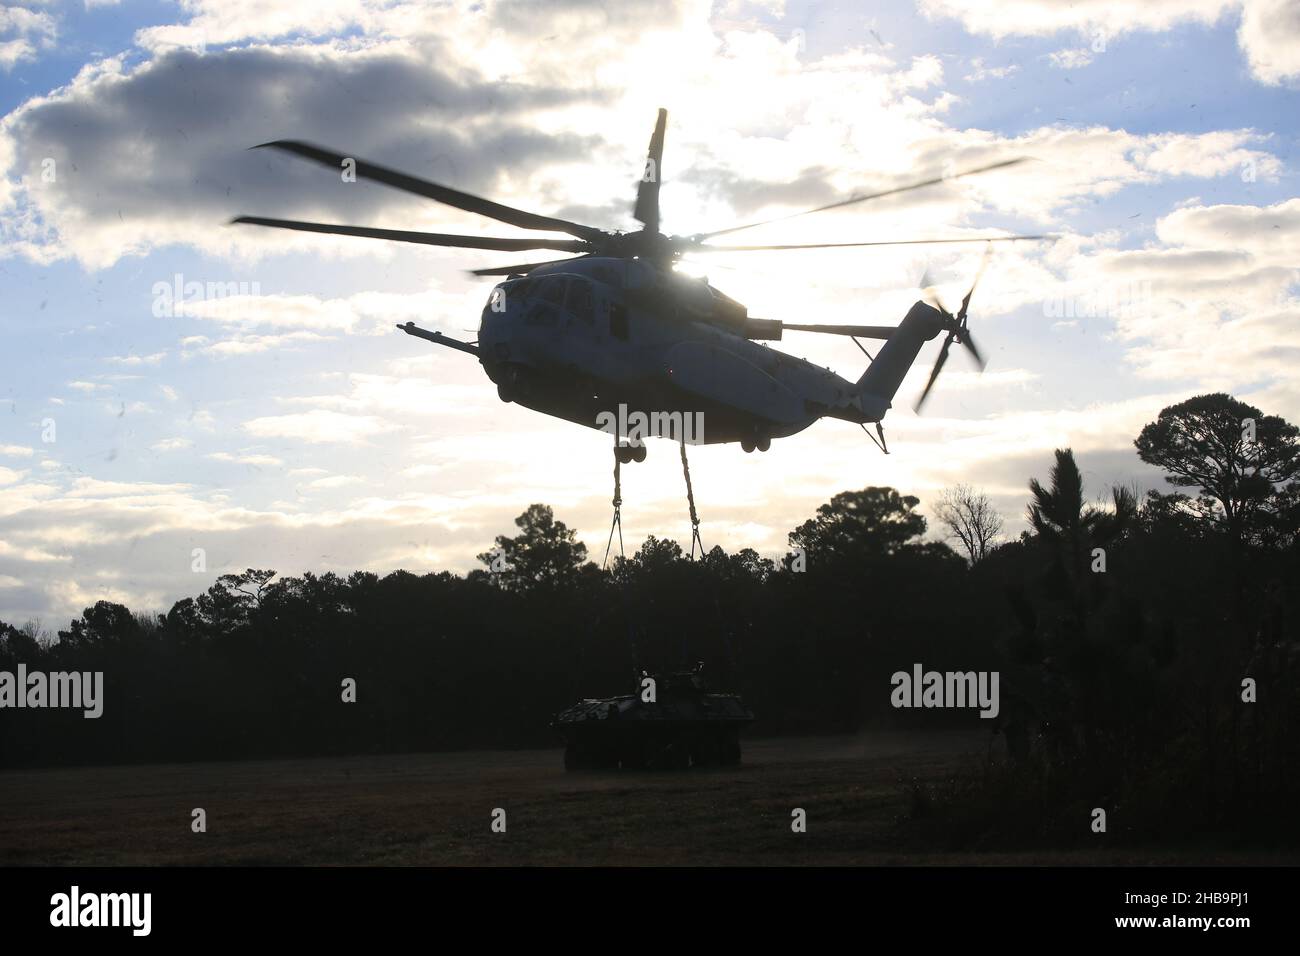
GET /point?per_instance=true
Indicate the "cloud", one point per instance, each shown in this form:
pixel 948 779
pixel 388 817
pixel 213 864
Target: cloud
pixel 319 426
pixel 155 154
pixel 336 481
pixel 368 312
pixel 1070 59
pixel 1269 31
pixel 151 359
pixel 1270 35
pixel 256 461
pixel 1212 301
pixel 1045 17
pixel 981 71
pixel 22 32
pixel 249 344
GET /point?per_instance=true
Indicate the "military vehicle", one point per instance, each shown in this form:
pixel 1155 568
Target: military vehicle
pixel 672 722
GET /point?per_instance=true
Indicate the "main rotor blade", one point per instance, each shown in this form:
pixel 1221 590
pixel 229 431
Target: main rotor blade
pixel 518 268
pixel 934 373
pixel 850 245
pixel 866 196
pixel 427 238
pixel 430 190
pixel 863 331
pixel 646 210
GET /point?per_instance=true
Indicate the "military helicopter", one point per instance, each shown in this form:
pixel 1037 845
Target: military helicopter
pixel 613 338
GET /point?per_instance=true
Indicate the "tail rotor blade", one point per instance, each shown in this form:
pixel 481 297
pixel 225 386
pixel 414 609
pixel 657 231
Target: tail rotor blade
pixel 965 302
pixel 969 342
pixel 934 373
pixel 929 294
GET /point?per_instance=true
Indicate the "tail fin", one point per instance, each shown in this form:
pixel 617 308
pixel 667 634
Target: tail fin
pixel 882 378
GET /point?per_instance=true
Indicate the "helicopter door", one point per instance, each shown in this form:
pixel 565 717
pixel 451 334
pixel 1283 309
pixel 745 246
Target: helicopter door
pixel 618 321
pixel 579 302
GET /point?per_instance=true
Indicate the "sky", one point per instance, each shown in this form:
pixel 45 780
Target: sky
pixel 273 417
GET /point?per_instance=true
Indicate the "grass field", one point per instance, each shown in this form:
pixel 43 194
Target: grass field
pixel 435 809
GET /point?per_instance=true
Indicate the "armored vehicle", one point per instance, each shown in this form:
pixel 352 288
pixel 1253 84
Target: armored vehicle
pixel 672 722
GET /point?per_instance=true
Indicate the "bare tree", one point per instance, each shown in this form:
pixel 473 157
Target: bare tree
pixel 970 517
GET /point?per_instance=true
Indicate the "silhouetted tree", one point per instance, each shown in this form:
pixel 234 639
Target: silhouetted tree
pixel 876 521
pixel 1204 443
pixel 970 517
pixel 546 552
pixel 1071 530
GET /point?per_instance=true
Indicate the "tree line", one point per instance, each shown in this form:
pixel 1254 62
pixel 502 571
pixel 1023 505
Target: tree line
pixel 1148 647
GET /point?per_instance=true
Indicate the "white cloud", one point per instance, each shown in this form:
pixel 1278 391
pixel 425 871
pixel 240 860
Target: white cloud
pixel 319 426
pixel 1070 59
pixel 336 481
pixel 1269 31
pixel 252 344
pixel 22 32
pixel 152 359
pixel 1270 35
pixel 257 461
pixel 980 71
pixel 1003 18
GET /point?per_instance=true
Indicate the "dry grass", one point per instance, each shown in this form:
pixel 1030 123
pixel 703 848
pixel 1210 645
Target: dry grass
pixel 434 809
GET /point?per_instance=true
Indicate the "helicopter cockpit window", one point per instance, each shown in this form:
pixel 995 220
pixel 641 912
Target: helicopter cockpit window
pixel 552 290
pixel 579 300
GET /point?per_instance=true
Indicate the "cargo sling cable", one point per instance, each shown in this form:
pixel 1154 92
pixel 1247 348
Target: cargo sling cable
pixel 617 523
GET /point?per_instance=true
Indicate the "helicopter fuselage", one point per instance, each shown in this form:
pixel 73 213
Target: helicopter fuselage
pixel 608 343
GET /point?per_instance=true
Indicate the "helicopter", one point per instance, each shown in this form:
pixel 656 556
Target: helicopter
pixel 615 339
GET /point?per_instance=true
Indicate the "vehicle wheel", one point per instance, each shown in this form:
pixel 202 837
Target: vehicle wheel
pixel 572 758
pixel 631 757
pixel 706 752
pixel 638 453
pixel 623 454
pixel 677 755
pixel 764 443
pixel 505 394
pixel 747 445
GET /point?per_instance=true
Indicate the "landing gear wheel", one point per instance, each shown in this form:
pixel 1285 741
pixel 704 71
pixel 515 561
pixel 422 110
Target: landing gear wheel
pixel 623 453
pixel 638 453
pixel 764 443
pixel 746 444
pixel 505 394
